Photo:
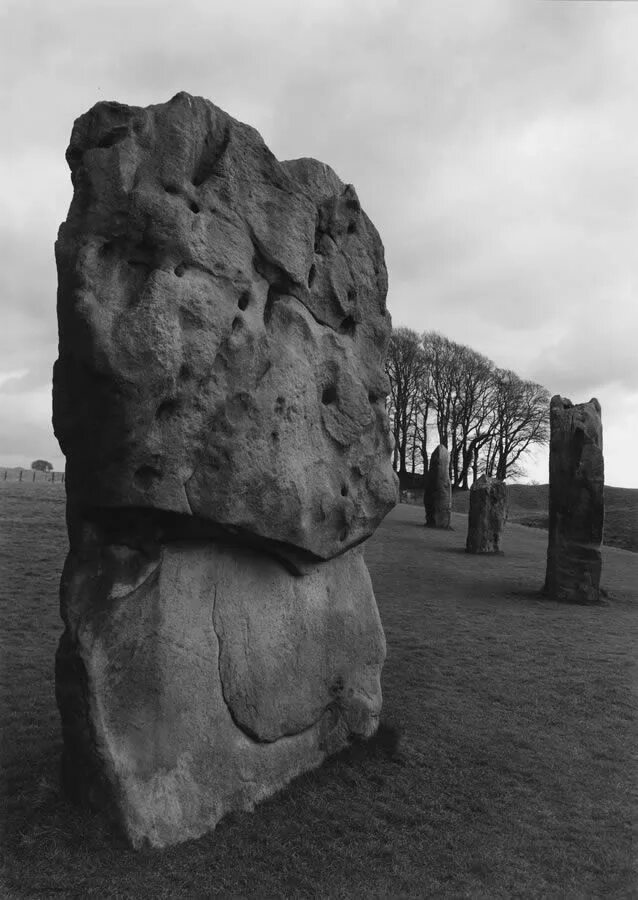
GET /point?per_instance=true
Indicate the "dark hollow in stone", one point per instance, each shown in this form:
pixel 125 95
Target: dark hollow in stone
pixel 146 475
pixel 167 408
pixel 329 395
pixel 348 326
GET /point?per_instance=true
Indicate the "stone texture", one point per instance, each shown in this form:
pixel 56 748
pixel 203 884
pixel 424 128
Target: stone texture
pixel 437 496
pixel 220 398
pixel 210 677
pixel 222 331
pixel 576 502
pixel 487 515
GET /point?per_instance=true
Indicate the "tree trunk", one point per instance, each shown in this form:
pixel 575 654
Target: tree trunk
pixel 424 442
pixel 402 449
pixel 475 462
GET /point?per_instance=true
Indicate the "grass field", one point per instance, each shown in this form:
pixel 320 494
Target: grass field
pixel 528 506
pixel 515 774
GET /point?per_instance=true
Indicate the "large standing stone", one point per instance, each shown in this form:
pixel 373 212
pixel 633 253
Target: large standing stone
pixel 219 396
pixel 222 331
pixel 437 496
pixel 576 503
pixel 487 515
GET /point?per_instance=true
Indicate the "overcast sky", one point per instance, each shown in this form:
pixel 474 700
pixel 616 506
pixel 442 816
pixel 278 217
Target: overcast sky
pixel 493 144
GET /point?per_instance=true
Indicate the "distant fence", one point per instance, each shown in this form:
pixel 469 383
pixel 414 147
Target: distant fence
pixel 31 475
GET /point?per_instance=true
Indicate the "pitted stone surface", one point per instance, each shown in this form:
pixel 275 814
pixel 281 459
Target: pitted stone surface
pixel 222 331
pixel 576 501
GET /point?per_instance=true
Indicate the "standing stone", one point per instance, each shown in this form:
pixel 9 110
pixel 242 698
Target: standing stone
pixel 219 396
pixel 437 497
pixel 487 515
pixel 576 503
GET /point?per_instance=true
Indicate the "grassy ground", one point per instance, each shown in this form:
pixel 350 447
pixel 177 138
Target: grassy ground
pixel 515 774
pixel 528 506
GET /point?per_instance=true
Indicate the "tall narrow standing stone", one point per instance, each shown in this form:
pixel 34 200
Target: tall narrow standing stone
pixel 437 497
pixel 576 502
pixel 487 515
pixel 220 399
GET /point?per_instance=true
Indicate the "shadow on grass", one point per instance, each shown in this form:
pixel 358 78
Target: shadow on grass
pixel 384 744
pixel 535 595
pixel 458 551
pixel 37 812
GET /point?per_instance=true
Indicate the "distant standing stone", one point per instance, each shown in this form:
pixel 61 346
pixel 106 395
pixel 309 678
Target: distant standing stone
pixel 576 504
pixel 437 498
pixel 487 516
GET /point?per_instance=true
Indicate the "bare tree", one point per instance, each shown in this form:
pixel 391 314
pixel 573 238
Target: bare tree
pixel 462 392
pixel 488 418
pixel 520 422
pixel 406 369
pixel 473 405
pixel 440 353
pixel 420 427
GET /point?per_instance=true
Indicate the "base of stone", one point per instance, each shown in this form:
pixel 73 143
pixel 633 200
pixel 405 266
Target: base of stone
pixel 484 552
pixel 203 678
pixel 573 573
pixel 578 597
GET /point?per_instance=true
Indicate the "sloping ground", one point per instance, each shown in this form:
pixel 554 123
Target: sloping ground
pixel 515 773
pixel 528 506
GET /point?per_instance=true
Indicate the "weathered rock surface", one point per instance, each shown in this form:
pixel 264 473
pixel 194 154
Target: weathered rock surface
pixel 437 496
pixel 487 515
pixel 219 396
pixel 576 502
pixel 222 331
pixel 210 677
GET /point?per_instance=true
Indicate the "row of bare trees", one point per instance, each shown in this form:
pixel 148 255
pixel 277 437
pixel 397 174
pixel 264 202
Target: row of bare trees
pixel 444 392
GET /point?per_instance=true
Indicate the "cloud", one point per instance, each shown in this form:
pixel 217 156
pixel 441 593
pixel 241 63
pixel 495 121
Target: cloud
pixel 494 146
pixel 25 425
pixel 595 351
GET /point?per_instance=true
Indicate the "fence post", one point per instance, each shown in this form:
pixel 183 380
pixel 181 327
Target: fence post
pixel 33 479
pixel 5 474
pixel 20 478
